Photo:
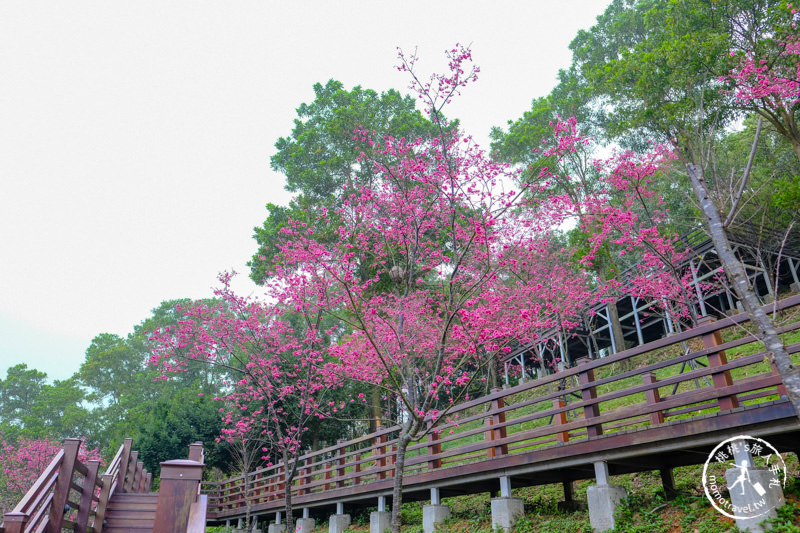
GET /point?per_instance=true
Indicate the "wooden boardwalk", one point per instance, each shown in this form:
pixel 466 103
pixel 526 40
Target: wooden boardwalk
pixel 657 406
pixel 653 407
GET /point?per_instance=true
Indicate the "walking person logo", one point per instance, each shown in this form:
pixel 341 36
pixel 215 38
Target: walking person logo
pixel 750 469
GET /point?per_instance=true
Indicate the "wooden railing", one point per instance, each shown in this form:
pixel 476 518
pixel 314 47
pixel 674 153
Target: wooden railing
pixel 642 388
pixel 70 495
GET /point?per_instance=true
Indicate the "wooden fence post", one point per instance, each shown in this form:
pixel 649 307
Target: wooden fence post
pixel 589 393
pixel 356 469
pixel 131 471
pixel 87 492
pixel 124 461
pixel 138 476
pixel 393 452
pixel 653 397
pixel 15 522
pixel 102 501
pixel 305 477
pixel 496 419
pixel 340 471
pixel 382 461
pixel 196 452
pixel 561 419
pixel 180 479
pixel 142 488
pixel 63 484
pixel 718 358
pixel 434 448
pixel 328 474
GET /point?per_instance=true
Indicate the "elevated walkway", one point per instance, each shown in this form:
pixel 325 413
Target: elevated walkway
pixel 644 409
pixel 656 406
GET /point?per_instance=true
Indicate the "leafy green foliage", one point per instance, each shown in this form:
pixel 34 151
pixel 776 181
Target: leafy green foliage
pixel 319 158
pixel 172 422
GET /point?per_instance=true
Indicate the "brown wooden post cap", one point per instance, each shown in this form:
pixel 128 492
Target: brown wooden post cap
pixel 15 517
pixel 182 469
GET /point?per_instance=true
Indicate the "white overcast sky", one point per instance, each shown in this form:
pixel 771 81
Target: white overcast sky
pixel 135 136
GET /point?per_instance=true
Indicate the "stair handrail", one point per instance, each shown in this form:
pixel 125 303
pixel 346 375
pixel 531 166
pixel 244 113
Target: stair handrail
pixel 49 505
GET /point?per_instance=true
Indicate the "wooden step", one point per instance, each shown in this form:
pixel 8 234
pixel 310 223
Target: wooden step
pixel 131 513
pixel 123 514
pixel 142 498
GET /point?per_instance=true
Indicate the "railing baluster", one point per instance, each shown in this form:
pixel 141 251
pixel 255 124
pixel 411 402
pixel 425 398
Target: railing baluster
pixel 62 487
pixel 381 451
pixel 82 521
pixel 124 463
pixel 653 397
pixel 102 501
pixel 130 472
pixel 718 358
pixel 498 419
pixel 561 419
pixel 305 477
pixel 589 393
pixel 340 471
pixel 434 448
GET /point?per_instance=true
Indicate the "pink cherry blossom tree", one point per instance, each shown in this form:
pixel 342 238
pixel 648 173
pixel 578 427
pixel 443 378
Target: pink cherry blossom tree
pixel 437 269
pixel 769 83
pixel 274 367
pixel 629 214
pixel 23 460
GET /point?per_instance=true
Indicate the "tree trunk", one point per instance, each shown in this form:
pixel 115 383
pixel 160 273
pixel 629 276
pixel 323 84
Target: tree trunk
pixel 397 489
pixel 734 270
pixel 614 326
pixel 288 478
pixel 375 409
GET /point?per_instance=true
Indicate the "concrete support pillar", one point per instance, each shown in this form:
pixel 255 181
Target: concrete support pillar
pixel 753 497
pixel 435 513
pixel 305 524
pixel 338 523
pixel 506 510
pixel 753 494
pixel 432 515
pixel 380 520
pixel 603 499
pixel 277 527
pixel 505 487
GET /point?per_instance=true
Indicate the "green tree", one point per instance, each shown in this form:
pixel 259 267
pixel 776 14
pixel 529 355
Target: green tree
pixel 111 368
pixel 174 421
pixel 61 412
pixel 19 393
pixel 657 69
pixel 320 157
pixel 125 389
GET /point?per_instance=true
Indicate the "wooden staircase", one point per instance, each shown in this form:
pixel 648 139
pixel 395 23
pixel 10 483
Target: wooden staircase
pixel 119 501
pixel 131 513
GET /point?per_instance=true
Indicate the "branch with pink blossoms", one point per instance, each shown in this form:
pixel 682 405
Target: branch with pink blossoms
pixel 437 271
pixel 23 460
pixel 275 371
